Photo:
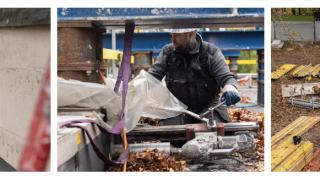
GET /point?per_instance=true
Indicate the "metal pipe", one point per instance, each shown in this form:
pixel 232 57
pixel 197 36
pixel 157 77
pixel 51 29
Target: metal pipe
pixel 210 124
pixel 139 147
pixel 211 109
pixel 311 104
pixel 241 126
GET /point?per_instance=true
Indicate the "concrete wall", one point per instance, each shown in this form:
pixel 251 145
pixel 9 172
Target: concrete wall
pixel 272 31
pixel 317 29
pixel 24 53
pixel 298 31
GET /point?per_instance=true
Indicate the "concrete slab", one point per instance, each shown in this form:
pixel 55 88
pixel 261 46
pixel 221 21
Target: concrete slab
pixel 295 31
pixel 317 30
pixel 24 55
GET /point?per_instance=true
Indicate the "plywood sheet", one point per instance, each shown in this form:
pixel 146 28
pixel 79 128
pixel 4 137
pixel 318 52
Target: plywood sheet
pixel 298 89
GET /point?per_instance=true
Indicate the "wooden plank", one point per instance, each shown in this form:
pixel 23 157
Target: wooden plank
pixel 297 70
pixel 299 157
pixel 296 128
pixel 285 68
pixel 298 89
pixel 316 70
pixel 285 155
pixel 305 71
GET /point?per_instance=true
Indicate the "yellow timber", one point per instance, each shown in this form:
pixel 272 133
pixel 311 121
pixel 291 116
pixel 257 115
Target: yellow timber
pixel 285 155
pixel 316 70
pixel 285 68
pixel 245 62
pixel 297 70
pixel 305 71
pixel 110 54
pixel 300 155
pixel 297 127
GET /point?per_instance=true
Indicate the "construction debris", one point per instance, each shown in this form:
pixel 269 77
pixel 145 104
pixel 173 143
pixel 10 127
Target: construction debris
pixel 285 68
pixel 278 44
pixel 316 90
pixel 288 156
pixel 154 161
pixel 300 89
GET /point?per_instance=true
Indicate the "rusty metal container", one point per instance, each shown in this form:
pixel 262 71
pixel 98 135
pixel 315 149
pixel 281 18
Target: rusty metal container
pixel 80 53
pixel 142 60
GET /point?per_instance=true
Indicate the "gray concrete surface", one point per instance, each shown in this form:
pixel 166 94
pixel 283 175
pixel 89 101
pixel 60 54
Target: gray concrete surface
pixel 24 55
pixel 86 159
pixel 296 31
pixel 272 31
pixel 252 93
pixel 317 30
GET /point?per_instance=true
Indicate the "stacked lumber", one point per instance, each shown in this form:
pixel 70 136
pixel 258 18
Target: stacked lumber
pixel 306 70
pixel 298 72
pixel 286 156
pixel 285 68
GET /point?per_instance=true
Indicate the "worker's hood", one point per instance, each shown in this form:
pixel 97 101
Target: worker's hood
pixel 196 47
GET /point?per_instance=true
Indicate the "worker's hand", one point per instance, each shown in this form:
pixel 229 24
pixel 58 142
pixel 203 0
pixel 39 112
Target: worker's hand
pixel 230 95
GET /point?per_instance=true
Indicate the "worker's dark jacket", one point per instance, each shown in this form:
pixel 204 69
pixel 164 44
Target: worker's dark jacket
pixel 195 78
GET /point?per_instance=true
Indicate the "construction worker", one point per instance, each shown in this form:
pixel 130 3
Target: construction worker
pixel 196 73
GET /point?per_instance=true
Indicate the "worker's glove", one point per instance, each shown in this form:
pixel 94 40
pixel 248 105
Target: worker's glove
pixel 230 95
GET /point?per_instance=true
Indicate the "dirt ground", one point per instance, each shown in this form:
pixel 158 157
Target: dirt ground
pixel 282 112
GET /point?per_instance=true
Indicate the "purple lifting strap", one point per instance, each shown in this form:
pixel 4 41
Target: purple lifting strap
pixel 75 124
pixel 124 74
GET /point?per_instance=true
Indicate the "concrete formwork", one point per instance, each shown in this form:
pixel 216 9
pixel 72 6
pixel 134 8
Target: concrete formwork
pixel 80 53
pixel 296 31
pixel 24 54
pixel 317 30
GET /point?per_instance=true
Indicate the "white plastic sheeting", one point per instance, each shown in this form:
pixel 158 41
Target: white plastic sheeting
pixel 146 97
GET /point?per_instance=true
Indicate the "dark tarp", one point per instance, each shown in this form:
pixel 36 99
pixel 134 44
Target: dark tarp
pixel 13 17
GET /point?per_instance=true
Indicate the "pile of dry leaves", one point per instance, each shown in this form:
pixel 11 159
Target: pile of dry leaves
pixel 238 114
pixel 150 121
pixel 154 161
pixel 245 100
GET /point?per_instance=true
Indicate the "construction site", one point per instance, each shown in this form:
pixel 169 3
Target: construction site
pixel 25 89
pixel 295 90
pixel 115 113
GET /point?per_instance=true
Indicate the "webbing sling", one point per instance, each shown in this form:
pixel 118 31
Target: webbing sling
pixel 124 74
pixel 74 124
